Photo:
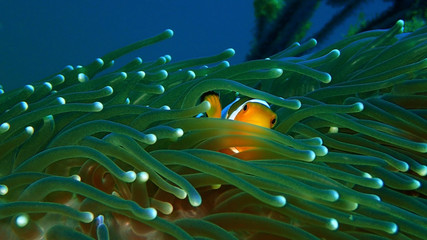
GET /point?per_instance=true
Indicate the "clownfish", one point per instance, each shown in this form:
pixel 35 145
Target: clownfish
pixel 249 110
pixel 254 111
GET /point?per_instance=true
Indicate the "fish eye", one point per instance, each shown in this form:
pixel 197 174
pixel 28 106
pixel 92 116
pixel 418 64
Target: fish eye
pixel 245 107
pixel 273 121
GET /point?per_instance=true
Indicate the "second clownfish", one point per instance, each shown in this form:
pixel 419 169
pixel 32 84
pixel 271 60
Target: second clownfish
pixel 254 111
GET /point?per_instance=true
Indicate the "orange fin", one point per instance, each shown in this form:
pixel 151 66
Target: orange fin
pixel 213 99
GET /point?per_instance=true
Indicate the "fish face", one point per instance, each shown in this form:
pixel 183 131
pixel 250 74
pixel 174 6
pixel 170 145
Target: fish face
pixel 257 114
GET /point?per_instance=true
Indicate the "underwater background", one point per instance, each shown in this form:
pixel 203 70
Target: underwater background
pixel 326 139
pixel 44 36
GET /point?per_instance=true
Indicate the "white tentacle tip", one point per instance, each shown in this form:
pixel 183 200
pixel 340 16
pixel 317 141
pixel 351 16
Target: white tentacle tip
pixel 81 77
pixel 179 132
pixel 3 189
pixel 142 177
pixel 280 201
pixel 129 176
pixel 76 177
pixel 151 213
pixel 29 130
pixel 29 88
pixel 4 127
pixel 359 106
pixel 87 217
pixel 332 224
pixel 99 220
pixel 100 61
pixel 422 170
pixel 379 183
pixel 165 107
pixel 61 100
pixel 109 90
pixel 22 220
pixel 169 32
pixel 98 106
pixel 150 138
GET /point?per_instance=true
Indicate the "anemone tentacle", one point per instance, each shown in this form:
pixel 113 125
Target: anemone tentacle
pixel 126 155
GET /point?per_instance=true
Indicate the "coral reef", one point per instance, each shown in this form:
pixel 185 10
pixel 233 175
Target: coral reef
pixel 92 154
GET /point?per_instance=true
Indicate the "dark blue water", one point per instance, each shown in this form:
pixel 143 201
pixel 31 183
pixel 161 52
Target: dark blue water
pixel 39 38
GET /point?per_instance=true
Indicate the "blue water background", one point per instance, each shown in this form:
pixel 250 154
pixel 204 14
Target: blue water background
pixel 39 38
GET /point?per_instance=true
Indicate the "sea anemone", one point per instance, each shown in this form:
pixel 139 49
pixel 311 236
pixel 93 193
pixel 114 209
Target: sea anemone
pixel 86 154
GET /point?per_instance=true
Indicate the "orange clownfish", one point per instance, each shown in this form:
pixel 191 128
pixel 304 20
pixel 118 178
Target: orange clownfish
pixel 254 111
